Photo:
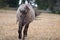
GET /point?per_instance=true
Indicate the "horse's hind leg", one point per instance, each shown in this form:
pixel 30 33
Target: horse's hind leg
pixel 20 30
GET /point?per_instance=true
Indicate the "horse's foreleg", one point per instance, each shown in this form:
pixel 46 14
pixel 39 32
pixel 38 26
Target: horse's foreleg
pixel 20 30
pixel 26 29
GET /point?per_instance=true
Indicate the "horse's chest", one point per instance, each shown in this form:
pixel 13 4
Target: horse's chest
pixel 26 20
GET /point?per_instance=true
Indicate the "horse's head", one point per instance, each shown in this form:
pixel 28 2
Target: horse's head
pixel 25 10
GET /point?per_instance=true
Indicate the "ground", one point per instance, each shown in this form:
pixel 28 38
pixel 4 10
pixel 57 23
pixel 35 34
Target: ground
pixel 46 26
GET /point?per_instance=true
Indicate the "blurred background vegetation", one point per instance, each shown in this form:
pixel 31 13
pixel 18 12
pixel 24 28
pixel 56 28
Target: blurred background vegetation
pixel 51 5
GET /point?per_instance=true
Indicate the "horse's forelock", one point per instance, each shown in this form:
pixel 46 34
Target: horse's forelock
pixel 24 9
pixel 23 12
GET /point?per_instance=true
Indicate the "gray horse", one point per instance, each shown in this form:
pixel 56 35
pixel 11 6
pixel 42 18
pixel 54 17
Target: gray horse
pixel 25 15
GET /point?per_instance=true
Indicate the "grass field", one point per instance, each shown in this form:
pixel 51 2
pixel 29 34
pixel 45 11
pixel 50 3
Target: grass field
pixel 45 27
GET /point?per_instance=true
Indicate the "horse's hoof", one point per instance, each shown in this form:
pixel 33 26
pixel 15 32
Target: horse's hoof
pixel 25 35
pixel 19 37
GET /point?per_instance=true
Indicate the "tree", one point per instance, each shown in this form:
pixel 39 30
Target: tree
pixel 13 3
pixel 3 3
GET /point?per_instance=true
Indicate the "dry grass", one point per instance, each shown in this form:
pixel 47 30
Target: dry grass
pixel 45 27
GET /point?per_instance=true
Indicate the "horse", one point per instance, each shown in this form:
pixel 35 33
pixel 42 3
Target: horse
pixel 25 15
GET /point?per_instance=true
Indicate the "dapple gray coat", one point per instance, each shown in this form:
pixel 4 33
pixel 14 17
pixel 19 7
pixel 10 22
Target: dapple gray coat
pixel 25 15
pixel 30 16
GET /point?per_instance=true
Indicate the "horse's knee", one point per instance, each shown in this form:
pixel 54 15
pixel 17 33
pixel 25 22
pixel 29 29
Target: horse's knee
pixel 19 31
pixel 20 28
